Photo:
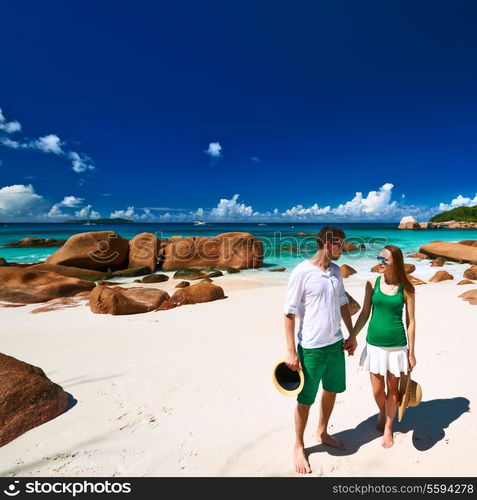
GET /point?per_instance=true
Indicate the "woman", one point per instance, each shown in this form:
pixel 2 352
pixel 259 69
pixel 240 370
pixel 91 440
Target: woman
pixel 388 352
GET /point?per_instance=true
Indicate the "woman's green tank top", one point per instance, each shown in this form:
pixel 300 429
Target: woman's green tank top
pixel 386 328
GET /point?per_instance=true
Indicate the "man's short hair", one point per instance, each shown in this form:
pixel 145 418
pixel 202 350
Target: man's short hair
pixel 329 233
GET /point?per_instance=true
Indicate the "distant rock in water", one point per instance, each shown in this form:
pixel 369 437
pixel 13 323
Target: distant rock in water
pixel 277 270
pixel 29 398
pixel 409 222
pixel 471 243
pixel 26 286
pixel 100 250
pixel 35 242
pixel 439 262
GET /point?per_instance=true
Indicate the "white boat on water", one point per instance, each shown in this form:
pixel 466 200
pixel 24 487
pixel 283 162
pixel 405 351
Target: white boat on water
pixel 199 222
pixel 262 224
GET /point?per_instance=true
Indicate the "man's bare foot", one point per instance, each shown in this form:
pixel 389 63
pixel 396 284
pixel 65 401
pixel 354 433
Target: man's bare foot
pixel 302 466
pixel 380 423
pixel 388 439
pixel 325 438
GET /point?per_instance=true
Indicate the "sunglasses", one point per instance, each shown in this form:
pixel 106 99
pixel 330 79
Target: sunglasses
pixel 382 260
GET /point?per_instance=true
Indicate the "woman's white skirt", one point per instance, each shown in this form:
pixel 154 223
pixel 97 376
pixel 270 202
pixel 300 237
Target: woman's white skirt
pixel 380 359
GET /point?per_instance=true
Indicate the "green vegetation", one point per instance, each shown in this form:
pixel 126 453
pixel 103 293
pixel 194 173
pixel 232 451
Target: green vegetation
pixel 465 214
pixel 117 220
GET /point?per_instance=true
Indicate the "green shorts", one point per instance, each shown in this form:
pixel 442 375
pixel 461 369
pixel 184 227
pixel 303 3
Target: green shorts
pixel 323 363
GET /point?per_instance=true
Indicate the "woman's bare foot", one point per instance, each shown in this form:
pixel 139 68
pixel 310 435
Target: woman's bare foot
pixel 325 438
pixel 302 466
pixel 388 439
pixel 381 421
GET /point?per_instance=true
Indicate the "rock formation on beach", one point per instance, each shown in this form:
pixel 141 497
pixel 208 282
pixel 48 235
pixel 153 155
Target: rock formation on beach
pixel 240 250
pixel 456 252
pixel 470 296
pixel 441 276
pixel 26 286
pixel 117 300
pixel 347 271
pixel 200 292
pixel 28 398
pixel 471 273
pixel 100 250
pixel 143 251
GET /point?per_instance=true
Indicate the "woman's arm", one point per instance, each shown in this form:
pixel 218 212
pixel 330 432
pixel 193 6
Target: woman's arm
pixel 365 310
pixel 411 326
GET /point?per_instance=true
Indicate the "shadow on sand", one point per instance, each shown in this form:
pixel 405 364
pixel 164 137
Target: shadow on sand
pixel 427 421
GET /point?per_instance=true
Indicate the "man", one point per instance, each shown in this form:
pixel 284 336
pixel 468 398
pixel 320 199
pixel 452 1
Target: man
pixel 316 295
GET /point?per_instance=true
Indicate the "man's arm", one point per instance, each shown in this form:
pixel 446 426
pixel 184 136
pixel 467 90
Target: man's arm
pixel 291 359
pixel 293 300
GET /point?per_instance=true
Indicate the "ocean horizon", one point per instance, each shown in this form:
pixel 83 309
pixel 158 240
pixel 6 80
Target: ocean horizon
pixel 274 236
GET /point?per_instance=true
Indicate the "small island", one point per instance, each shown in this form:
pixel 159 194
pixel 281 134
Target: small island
pixel 457 218
pixel 462 214
pixel 117 220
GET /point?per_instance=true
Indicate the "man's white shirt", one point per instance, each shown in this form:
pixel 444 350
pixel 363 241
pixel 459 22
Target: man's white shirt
pixel 316 297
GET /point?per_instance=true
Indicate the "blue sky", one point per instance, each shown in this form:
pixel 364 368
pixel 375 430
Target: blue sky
pixel 307 110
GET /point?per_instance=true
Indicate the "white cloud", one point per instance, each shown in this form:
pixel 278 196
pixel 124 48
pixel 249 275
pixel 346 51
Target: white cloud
pixel 87 212
pixel 67 202
pixel 6 141
pixel 130 213
pixel 459 201
pixel 80 163
pixel 19 200
pixel 300 211
pixel 214 150
pixel 48 144
pixel 230 209
pixel 377 203
pixel 8 127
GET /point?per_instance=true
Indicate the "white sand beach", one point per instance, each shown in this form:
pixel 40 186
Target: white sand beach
pixel 188 391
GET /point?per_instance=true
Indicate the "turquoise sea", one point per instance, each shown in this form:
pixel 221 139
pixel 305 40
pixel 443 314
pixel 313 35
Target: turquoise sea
pixel 273 235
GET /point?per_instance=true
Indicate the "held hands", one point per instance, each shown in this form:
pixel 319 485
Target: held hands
pixel 350 345
pixel 293 361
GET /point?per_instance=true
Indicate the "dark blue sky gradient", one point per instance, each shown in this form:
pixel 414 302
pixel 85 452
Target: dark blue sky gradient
pixel 332 97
